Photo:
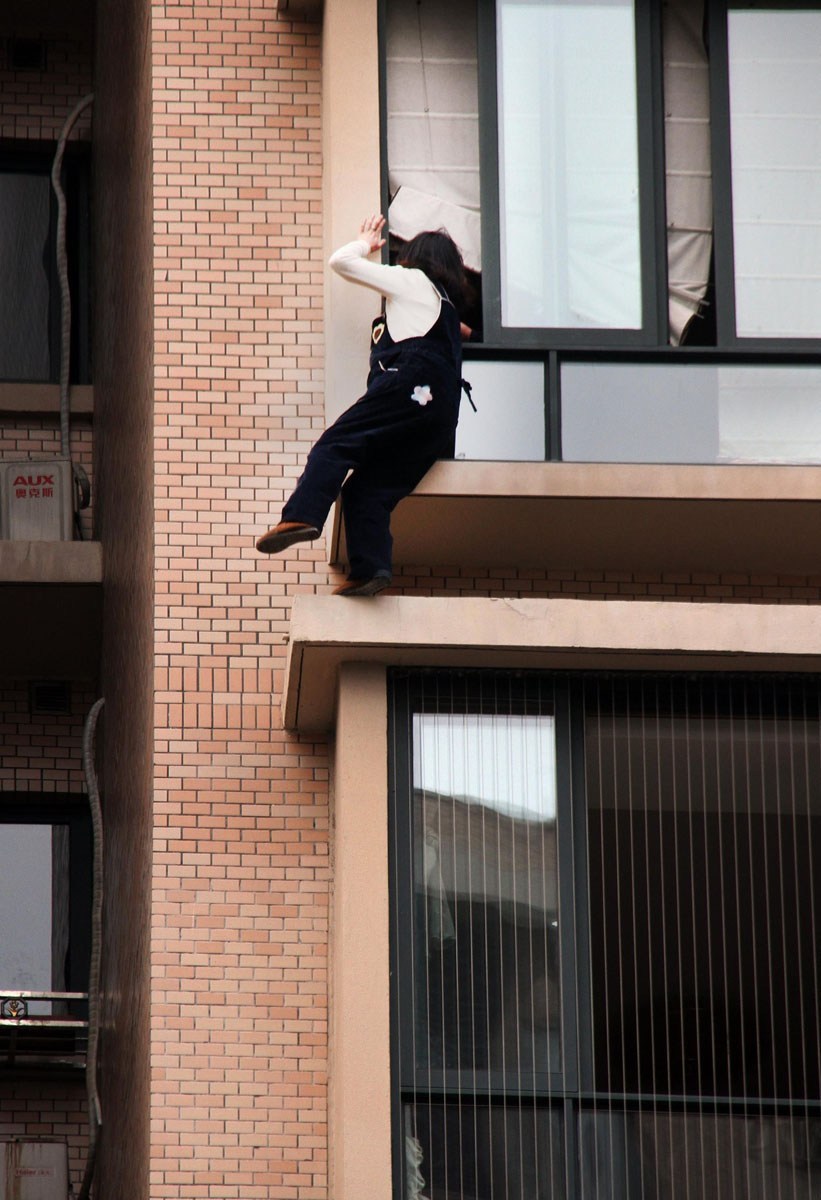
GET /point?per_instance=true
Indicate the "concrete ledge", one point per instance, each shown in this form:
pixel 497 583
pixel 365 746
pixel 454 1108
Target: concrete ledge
pixel 51 562
pixel 579 516
pixel 37 398
pixel 558 634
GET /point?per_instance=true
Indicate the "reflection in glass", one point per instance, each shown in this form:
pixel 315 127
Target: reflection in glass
pixel 568 164
pixel 704 831
pixel 486 913
pixel 649 412
pixel 626 1155
pixel 33 908
pixel 469 1151
pixel 775 123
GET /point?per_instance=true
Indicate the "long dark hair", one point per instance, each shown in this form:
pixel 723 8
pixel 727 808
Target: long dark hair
pixel 436 253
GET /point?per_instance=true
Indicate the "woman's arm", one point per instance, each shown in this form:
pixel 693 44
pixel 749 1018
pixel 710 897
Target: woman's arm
pixel 395 283
pixel 412 301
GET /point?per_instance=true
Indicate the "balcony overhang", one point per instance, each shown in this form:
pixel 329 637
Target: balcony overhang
pixel 610 517
pixel 301 10
pixel 50 609
pixel 461 632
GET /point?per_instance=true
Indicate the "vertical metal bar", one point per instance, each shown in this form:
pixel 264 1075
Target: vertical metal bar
pixel 489 171
pixel 553 407
pixel 384 160
pixel 652 171
pixel 403 1066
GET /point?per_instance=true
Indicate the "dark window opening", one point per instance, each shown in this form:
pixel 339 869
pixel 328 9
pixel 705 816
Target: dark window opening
pixel 606 963
pixel 45 898
pixel 30 310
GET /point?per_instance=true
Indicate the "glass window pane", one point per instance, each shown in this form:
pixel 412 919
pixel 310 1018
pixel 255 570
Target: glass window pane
pixel 475 1151
pixel 705 1156
pixel 568 164
pixel 24 295
pixel 636 412
pixel 704 833
pixel 486 910
pixel 775 123
pixel 509 422
pixel 26 907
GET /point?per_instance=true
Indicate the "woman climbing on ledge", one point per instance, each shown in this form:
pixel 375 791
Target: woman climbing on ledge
pixel 407 417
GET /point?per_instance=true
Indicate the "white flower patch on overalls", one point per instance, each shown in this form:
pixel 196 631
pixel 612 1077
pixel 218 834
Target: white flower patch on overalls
pixel 422 395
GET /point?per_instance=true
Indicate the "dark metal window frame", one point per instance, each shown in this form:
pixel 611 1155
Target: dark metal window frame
pixel 18 157
pixel 71 811
pixel 723 251
pixel 650 134
pixel 652 201
pixel 575 1092
pixel 556 1090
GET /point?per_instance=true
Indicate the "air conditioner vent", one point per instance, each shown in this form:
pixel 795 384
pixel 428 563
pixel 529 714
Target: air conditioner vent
pixel 26 54
pixel 50 697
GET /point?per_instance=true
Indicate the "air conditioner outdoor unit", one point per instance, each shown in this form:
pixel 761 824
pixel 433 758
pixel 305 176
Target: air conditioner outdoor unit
pixel 37 499
pixel 33 1170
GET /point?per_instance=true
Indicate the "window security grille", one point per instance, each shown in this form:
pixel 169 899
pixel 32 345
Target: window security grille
pixel 605 920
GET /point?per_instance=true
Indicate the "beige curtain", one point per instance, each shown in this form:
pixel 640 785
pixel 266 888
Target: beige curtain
pixel 687 146
pixel 433 121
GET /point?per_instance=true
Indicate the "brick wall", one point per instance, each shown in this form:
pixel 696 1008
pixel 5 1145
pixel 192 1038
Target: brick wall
pixel 41 753
pixel 240 878
pixel 732 588
pixel 48 1110
pixel 35 104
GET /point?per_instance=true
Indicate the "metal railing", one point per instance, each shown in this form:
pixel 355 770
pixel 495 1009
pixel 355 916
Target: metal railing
pixel 31 1037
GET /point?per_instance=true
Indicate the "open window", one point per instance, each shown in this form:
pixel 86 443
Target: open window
pixel 631 174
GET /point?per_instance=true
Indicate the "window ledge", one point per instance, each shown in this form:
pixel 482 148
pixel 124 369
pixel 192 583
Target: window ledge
pixel 36 398
pixel 51 562
pixel 617 517
pixel 519 634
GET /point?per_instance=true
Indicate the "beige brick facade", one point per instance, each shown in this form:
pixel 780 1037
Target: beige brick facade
pixel 209 387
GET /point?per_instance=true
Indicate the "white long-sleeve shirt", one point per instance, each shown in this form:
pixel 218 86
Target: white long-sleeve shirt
pixel 412 303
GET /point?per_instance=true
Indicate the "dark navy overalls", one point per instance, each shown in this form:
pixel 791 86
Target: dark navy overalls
pixel 388 439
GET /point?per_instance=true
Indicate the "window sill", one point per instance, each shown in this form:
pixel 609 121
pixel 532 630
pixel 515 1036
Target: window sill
pixel 610 517
pixel 37 398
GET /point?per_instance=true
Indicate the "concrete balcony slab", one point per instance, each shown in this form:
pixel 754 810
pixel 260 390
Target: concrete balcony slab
pixel 50 609
pixel 610 517
pixel 462 632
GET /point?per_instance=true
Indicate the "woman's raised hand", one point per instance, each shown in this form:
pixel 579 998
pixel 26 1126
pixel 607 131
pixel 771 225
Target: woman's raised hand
pixel 370 231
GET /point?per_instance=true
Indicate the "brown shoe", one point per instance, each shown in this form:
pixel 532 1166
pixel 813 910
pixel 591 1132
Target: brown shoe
pixel 364 587
pixel 285 534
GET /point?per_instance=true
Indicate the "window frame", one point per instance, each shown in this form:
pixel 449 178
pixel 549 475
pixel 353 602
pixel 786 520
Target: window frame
pixel 558 1090
pixel 650 153
pixel 654 333
pixel 721 166
pixel 20 157
pixel 71 811
pixel 726 695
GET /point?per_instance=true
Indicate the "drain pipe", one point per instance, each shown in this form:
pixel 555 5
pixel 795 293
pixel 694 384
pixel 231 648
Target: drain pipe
pixel 80 477
pixel 95 1118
